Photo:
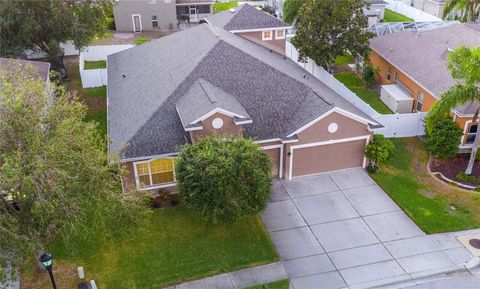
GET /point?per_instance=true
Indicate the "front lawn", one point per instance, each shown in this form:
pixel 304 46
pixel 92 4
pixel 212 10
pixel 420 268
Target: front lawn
pixel 221 6
pixel 344 60
pixel 282 284
pixel 356 85
pixel 391 16
pixel 95 64
pixel 168 246
pixel 434 206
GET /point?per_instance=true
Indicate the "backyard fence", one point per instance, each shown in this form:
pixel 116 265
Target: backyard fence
pixel 97 77
pixel 396 125
pixel 411 12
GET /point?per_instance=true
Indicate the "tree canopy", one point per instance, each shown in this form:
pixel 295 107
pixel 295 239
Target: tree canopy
pixel 290 10
pixel 56 179
pixel 224 177
pixel 330 28
pixel 48 23
pixel 469 9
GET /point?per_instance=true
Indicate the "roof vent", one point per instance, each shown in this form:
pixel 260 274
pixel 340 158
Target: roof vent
pixel 124 76
pixel 232 10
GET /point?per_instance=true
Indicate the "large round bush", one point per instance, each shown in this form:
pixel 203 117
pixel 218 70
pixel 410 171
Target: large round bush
pixel 224 177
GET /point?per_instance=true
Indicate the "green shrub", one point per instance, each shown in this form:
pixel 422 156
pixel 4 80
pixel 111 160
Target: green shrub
pixel 377 151
pixel 469 178
pixel 141 40
pixel 110 23
pixel 477 189
pixel 224 177
pixel 444 138
pixel 369 74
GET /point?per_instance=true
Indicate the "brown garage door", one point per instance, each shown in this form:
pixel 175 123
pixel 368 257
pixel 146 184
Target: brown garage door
pixel 317 159
pixel 274 155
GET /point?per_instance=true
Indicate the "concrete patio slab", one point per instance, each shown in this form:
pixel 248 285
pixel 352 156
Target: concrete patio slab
pixel 219 282
pixel 244 278
pixel 370 200
pixel 446 241
pixel 330 280
pixel 282 215
pixel 424 262
pixel 360 256
pixel 198 284
pixel 393 226
pixel 296 243
pixel 459 256
pixel 345 234
pixel 412 246
pixel 270 272
pixel 351 178
pixel 312 185
pixel 371 272
pixel 279 193
pixel 308 266
pixel 326 207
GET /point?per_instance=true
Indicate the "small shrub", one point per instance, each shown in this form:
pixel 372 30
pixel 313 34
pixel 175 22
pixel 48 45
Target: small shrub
pixel 110 23
pixel 141 40
pixel 468 178
pixel 477 189
pixel 369 74
pixel 444 139
pixel 378 150
pixel 147 201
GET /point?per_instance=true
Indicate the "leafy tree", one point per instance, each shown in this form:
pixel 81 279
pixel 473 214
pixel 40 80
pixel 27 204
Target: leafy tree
pixel 469 9
pixel 330 28
pixel 46 24
pixel 444 139
pixel 56 180
pixel 224 177
pixel 463 65
pixel 290 10
pixel 378 150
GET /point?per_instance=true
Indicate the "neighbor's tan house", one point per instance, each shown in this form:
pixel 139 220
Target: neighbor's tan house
pixel 415 65
pixel 207 81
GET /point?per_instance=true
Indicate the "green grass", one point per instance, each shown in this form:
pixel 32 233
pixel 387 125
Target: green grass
pixel 343 60
pixel 221 6
pixel 391 16
pixel 141 40
pixel 96 91
pixel 356 85
pixel 95 64
pixel 282 284
pixel 169 246
pixel 100 117
pixel 430 210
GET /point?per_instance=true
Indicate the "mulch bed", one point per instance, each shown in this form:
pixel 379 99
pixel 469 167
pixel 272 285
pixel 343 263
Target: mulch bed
pixel 451 167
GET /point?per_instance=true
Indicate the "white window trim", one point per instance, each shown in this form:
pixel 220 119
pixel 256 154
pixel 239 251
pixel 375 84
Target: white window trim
pixel 418 101
pixel 280 146
pixel 265 38
pixel 139 20
pixel 279 37
pixel 462 140
pixel 292 148
pixel 152 187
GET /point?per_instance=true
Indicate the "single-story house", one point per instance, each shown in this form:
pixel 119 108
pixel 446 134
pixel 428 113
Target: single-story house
pixel 416 63
pixel 206 80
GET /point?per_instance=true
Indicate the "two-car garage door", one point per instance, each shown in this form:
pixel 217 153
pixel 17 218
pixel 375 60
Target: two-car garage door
pixel 307 160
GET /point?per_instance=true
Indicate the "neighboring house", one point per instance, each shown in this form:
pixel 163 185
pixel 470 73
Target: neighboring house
pixel 416 64
pixel 374 11
pixel 432 7
pixel 205 80
pixel 157 15
pixel 42 69
pixel 253 24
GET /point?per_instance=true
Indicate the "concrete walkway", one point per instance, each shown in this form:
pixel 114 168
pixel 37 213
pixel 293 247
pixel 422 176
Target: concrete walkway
pixel 341 230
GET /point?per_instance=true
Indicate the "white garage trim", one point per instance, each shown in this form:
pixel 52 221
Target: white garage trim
pixel 334 141
pixel 271 147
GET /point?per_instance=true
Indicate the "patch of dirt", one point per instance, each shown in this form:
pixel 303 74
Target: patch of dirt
pixel 452 167
pixel 65 275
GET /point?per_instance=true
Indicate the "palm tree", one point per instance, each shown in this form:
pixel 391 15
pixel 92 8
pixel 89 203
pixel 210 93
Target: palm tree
pixel 464 65
pixel 469 8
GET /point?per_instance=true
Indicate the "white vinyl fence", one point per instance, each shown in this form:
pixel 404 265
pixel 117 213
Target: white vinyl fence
pixel 414 13
pixel 396 125
pixel 97 77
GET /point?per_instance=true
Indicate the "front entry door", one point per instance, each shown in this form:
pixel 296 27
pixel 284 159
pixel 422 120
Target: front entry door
pixel 137 26
pixel 193 14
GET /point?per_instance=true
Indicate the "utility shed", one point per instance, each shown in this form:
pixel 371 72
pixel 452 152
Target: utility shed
pixel 397 100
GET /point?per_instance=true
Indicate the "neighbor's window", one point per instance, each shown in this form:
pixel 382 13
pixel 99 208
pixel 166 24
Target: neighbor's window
pixel 395 78
pixel 420 101
pixel 389 73
pixel 266 35
pixel 280 34
pixel 154 21
pixel 155 172
pixel 472 132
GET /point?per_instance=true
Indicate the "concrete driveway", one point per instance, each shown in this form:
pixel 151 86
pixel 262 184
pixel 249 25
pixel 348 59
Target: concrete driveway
pixel 340 229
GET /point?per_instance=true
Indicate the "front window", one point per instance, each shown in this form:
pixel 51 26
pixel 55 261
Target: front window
pixel 154 21
pixel 395 78
pixel 389 73
pixel 472 132
pixel 420 101
pixel 155 172
pixel 266 35
pixel 280 34
pixel 204 9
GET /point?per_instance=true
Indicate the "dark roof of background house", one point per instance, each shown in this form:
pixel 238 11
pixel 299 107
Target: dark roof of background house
pixel 42 68
pixel 146 83
pixel 203 97
pixel 245 17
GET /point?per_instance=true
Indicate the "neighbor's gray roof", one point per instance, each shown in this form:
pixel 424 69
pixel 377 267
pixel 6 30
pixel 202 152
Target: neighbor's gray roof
pixel 278 94
pixel 203 97
pixel 373 2
pixel 42 69
pixel 423 55
pixel 245 17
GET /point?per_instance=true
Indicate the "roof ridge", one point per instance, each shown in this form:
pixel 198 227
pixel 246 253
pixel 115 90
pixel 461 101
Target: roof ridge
pixel 200 80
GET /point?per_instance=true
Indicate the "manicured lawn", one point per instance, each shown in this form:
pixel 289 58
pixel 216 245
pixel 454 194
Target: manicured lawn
pixel 96 91
pixel 169 246
pixel 356 84
pixel 391 16
pixel 221 6
pixel 282 284
pixel 426 200
pixel 95 64
pixel 343 60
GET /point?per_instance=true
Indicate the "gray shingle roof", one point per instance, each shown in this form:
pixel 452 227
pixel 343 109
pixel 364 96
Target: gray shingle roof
pixel 42 68
pixel 278 94
pixel 245 17
pixel 203 97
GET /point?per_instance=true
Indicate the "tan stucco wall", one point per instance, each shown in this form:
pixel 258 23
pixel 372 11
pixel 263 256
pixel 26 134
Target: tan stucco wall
pixel 383 64
pixel 277 45
pixel 229 127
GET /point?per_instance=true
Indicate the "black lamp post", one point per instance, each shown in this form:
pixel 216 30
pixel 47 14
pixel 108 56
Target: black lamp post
pixel 47 261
